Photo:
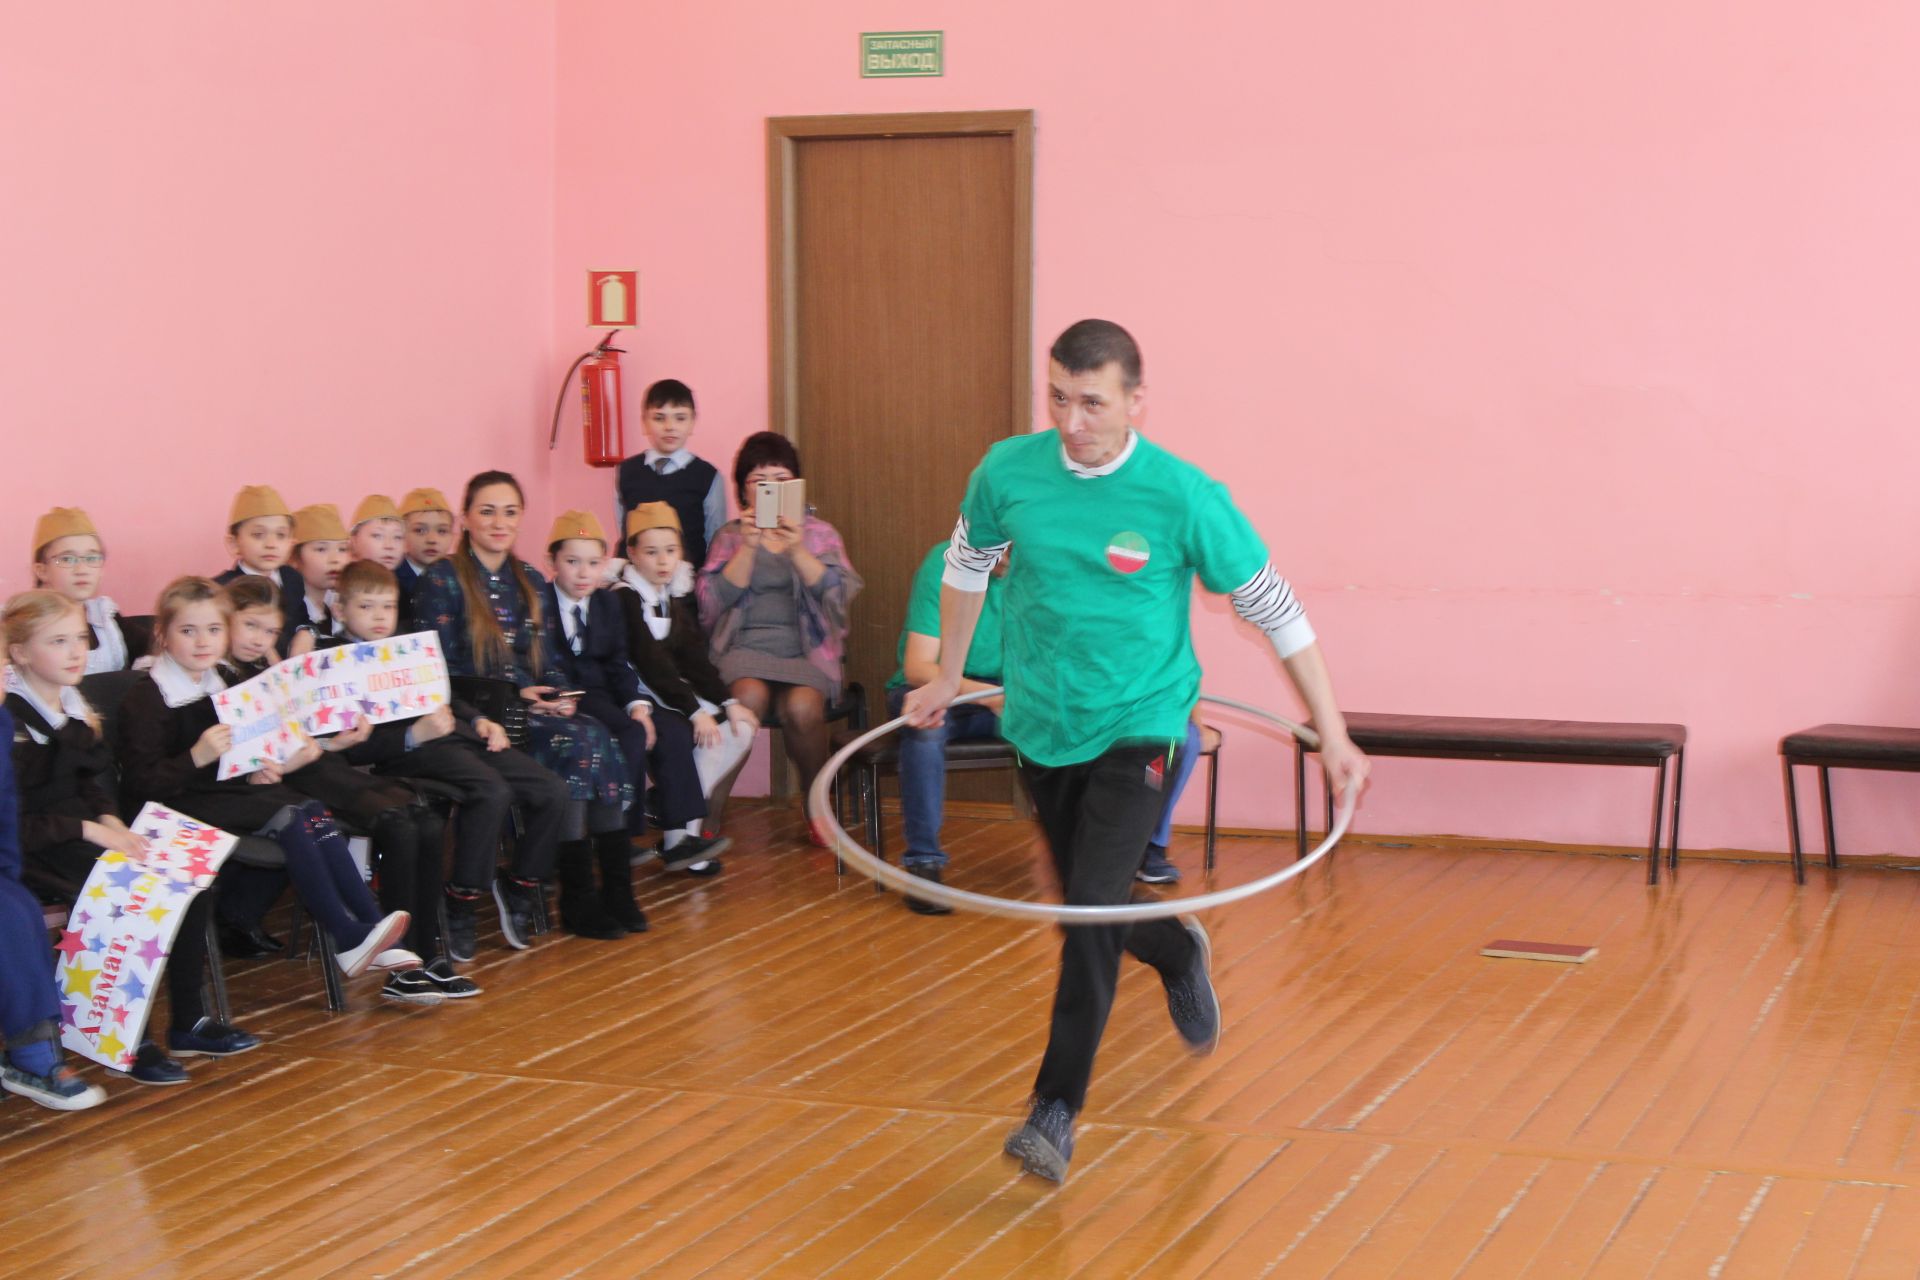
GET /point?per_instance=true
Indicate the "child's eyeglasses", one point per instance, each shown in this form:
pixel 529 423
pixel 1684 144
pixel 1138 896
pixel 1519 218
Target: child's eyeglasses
pixel 93 561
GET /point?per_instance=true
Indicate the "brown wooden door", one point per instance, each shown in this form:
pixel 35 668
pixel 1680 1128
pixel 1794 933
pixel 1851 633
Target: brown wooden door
pixel 906 347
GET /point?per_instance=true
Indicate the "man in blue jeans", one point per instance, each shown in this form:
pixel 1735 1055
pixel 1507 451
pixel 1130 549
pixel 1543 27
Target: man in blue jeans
pixel 923 760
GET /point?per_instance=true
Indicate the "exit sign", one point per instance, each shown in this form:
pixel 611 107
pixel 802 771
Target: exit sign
pixel 892 54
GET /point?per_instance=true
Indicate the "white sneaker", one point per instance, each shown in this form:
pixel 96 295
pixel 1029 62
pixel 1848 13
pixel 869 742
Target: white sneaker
pixel 382 936
pixel 396 958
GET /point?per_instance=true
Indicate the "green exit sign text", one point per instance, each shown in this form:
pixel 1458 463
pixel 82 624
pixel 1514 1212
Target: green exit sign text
pixel 902 53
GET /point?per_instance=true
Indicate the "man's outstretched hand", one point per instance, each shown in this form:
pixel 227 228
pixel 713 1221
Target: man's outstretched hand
pixel 1345 765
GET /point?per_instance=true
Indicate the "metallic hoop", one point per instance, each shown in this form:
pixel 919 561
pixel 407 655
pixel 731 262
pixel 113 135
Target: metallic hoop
pixel 820 809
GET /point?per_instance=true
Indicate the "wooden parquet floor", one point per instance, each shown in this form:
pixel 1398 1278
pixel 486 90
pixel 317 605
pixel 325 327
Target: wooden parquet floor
pixel 789 1077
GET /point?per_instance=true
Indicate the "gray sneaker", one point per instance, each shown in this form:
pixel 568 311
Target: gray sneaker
pixel 59 1089
pixel 1044 1144
pixel 462 928
pixel 518 911
pixel 1191 1001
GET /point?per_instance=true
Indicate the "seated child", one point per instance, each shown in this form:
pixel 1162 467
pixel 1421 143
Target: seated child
pixel 68 816
pixel 587 646
pixel 667 471
pixel 429 535
pixel 68 557
pixel 407 834
pixel 260 537
pixel 459 748
pixel 35 1067
pixel 377 532
pixel 169 742
pixel 319 554
pixel 668 647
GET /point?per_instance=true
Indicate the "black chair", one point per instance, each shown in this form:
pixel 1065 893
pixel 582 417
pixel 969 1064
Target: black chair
pixel 1840 746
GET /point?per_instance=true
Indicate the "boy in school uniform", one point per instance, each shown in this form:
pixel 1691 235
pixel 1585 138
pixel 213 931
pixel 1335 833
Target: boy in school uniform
pixel 587 644
pixel 669 649
pixel 377 532
pixel 667 471
pixel 427 521
pixel 319 554
pixel 260 538
pixel 457 746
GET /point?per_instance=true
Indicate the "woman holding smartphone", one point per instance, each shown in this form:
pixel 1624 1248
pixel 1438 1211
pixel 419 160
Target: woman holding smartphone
pixel 774 599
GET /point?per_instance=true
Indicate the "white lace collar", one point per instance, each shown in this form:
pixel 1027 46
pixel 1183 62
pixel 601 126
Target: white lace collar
pixel 180 687
pixel 681 585
pixel 72 705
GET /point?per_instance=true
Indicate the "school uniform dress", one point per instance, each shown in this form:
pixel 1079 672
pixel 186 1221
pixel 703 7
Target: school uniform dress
pixel 63 771
pixel 692 486
pixel 28 1000
pixel 669 650
pixel 577 748
pixel 286 577
pixel 298 614
pixel 113 643
pixel 587 644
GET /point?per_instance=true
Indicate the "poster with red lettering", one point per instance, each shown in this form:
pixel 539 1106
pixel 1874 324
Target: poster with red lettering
pixel 121 930
pixel 328 690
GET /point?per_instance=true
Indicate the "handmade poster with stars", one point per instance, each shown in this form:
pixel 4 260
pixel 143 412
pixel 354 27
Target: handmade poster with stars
pixel 121 930
pixel 328 690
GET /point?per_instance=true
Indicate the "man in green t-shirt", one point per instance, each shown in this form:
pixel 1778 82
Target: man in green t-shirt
pixel 1100 678
pixel 923 752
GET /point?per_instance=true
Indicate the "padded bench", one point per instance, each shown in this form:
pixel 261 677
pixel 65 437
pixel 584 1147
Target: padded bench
pixel 863 770
pixel 1840 746
pixel 1536 741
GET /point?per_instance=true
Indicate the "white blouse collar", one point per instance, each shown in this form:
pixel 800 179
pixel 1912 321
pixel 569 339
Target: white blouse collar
pixel 72 705
pixel 179 687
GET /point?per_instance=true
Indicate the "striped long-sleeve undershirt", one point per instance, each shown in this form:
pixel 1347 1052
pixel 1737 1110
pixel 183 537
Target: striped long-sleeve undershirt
pixel 1266 599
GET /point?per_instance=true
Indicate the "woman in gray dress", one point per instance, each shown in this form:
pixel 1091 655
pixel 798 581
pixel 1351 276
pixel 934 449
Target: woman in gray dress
pixel 775 603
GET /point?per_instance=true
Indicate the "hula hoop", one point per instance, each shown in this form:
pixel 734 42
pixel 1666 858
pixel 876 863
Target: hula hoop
pixel 821 810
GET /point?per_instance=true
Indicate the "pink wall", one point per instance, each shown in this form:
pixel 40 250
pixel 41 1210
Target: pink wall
pixel 1559 353
pixel 305 245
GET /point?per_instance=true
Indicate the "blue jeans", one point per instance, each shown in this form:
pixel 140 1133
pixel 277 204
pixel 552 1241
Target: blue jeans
pixel 923 773
pixel 1182 770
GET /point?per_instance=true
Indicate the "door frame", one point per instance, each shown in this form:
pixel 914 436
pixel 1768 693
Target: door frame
pixel 784 134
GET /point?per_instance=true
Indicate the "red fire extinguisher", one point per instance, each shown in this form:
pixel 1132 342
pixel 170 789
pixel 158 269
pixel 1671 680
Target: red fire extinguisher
pixel 601 425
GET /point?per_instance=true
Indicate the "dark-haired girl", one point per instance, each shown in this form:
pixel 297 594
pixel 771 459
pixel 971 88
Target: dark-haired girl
pixel 484 601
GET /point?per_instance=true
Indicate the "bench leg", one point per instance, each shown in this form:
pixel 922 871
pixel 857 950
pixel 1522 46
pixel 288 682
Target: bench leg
pixel 1213 799
pixel 1793 821
pixel 1299 800
pixel 1826 816
pixel 1673 826
pixel 1326 785
pixel 1659 813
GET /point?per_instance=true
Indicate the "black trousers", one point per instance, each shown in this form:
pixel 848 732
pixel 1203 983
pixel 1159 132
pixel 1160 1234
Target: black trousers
pixel 1098 817
pixel 490 784
pixel 675 781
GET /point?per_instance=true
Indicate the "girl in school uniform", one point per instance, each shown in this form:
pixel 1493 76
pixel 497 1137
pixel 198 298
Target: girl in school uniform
pixel 68 557
pixel 68 815
pixel 169 743
pixel 319 554
pixel 485 603
pixel 406 833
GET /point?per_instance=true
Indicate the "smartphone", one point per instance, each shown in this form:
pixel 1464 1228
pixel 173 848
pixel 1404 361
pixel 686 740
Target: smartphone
pixel 766 504
pixel 564 695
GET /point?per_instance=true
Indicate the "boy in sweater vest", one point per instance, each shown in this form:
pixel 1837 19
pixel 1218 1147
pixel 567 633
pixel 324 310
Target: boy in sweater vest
pixel 667 471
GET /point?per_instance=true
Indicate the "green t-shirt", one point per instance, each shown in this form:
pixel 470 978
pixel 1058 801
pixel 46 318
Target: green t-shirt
pixel 923 616
pixel 1095 630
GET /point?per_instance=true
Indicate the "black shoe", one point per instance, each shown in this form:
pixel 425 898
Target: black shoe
pixel 462 928
pixel 150 1066
pixel 1155 869
pixel 1044 1144
pixel 1190 999
pixel 411 986
pixel 210 1039
pixel 452 985
pixel 920 906
pixel 697 855
pixel 518 911
pixel 248 944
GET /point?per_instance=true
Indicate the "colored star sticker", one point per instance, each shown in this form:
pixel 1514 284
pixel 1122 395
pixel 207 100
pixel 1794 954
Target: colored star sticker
pixel 386 653
pixel 161 814
pixel 368 707
pixel 133 988
pixel 124 877
pixel 363 652
pixel 322 716
pixel 111 857
pixel 98 892
pixel 112 1047
pixel 80 981
pixel 325 662
pixel 157 913
pixel 430 652
pixel 71 943
pixel 119 1016
pixel 309 665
